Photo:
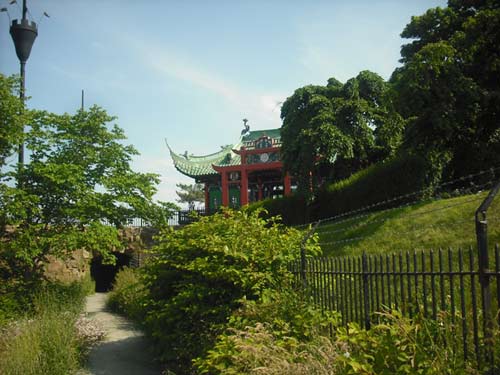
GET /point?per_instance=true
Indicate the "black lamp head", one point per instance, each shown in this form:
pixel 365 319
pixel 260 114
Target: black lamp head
pixel 24 35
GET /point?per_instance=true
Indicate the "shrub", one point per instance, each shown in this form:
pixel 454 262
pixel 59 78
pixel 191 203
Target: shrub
pixel 283 336
pixel 402 175
pixel 256 350
pixel 291 209
pixel 201 272
pixel 128 295
pixel 279 334
pixel 400 345
pixel 46 342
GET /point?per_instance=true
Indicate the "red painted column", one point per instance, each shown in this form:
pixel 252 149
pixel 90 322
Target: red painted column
pixel 225 190
pixel 288 184
pixel 207 199
pixel 259 185
pixel 244 187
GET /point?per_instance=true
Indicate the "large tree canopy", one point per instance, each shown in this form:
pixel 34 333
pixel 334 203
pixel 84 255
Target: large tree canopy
pixel 76 188
pixel 352 123
pixel 448 88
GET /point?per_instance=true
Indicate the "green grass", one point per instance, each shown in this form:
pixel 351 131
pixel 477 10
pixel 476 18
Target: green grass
pixel 45 340
pixel 434 224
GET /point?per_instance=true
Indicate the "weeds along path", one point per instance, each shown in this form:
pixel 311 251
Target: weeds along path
pixel 124 349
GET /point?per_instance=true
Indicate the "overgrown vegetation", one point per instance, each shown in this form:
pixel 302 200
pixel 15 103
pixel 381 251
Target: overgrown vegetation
pixel 285 335
pixel 201 272
pixel 282 333
pixel 128 295
pixel 46 339
pixel 217 300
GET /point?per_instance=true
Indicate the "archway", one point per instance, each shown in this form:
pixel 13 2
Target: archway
pixel 104 274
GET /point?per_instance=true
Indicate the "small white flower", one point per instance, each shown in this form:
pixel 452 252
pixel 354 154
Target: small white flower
pixel 347 354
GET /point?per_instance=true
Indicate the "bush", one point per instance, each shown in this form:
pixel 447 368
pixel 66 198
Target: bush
pixel 200 274
pixel 402 175
pixel 256 350
pixel 287 336
pixel 400 345
pixel 128 295
pixel 291 209
pixel 279 334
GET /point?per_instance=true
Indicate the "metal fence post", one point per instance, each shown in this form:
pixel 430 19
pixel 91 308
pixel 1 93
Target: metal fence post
pixel 483 260
pixel 303 266
pixel 366 303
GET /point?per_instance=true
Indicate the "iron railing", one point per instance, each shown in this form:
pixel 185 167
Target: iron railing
pixel 429 283
pixel 178 218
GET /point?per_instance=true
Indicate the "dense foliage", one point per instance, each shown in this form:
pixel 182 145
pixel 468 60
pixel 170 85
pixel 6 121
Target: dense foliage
pixel 12 117
pixel 397 180
pixel 443 104
pixel 343 127
pixel 201 273
pixel 128 295
pixel 75 189
pixel 292 210
pixel 404 175
pixel 447 89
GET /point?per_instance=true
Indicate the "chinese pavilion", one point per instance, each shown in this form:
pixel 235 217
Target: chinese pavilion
pixel 248 171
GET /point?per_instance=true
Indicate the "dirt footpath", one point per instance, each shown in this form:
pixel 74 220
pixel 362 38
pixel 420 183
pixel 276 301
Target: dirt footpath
pixel 124 349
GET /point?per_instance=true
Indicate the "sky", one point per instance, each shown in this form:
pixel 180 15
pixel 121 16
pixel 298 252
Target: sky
pixel 189 71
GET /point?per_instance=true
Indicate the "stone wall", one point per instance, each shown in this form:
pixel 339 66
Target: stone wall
pixel 77 265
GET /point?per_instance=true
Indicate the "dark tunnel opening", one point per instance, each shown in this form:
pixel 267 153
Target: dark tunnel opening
pixel 104 274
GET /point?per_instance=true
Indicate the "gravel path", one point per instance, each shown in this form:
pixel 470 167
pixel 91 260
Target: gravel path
pixel 123 351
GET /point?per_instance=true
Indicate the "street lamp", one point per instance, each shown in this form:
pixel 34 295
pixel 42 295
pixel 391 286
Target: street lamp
pixel 23 34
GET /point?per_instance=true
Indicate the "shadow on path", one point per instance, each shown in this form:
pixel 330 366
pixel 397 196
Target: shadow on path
pixel 123 351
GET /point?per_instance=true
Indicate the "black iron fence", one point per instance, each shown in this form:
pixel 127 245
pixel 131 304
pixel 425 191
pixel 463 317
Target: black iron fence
pixel 429 283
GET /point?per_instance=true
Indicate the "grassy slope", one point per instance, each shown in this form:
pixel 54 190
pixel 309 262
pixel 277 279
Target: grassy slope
pixel 446 223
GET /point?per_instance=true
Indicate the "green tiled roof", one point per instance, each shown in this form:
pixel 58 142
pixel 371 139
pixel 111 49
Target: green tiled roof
pixel 197 166
pixel 256 134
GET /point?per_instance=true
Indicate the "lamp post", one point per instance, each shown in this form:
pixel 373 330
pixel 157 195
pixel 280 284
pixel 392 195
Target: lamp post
pixel 23 34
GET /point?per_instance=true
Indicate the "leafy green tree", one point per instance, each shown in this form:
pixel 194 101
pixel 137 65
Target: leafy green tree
pixel 12 117
pixel 75 191
pixel 190 194
pixel 353 124
pixel 309 132
pixel 448 90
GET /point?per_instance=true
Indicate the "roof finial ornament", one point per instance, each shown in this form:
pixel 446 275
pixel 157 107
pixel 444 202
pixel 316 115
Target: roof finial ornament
pixel 247 127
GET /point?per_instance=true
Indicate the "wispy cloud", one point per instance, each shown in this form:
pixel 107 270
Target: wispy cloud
pixel 262 107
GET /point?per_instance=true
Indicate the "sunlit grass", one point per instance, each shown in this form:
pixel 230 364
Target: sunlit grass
pixel 445 223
